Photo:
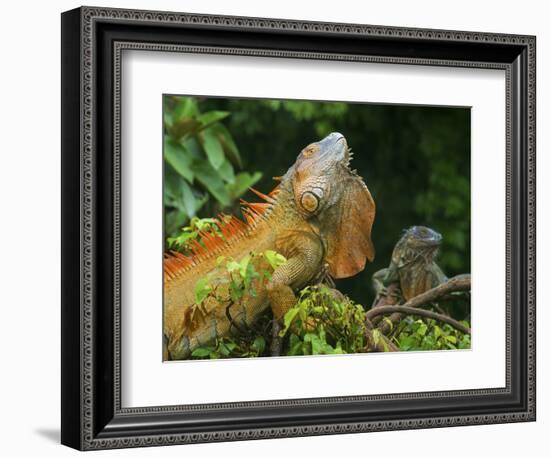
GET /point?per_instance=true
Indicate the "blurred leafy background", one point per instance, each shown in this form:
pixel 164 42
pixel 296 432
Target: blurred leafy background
pixel 414 159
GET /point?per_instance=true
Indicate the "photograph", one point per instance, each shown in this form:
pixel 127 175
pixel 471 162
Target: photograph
pixel 306 227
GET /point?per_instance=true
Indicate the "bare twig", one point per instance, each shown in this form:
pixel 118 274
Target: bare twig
pixel 276 341
pixel 384 309
pixel 231 321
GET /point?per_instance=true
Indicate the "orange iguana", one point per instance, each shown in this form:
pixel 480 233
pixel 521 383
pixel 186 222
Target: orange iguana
pixel 319 218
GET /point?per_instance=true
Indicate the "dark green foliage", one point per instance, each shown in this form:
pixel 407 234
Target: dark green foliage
pixel 320 324
pixel 240 275
pixel 200 158
pixel 233 347
pixel 180 242
pixel 428 334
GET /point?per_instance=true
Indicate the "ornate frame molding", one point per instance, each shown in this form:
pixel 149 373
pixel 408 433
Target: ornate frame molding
pixel 89 435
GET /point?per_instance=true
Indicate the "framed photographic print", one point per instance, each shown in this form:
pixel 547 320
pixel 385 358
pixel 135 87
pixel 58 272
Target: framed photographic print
pixel 278 228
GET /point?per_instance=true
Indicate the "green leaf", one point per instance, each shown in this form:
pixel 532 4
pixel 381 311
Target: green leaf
pixel 178 194
pixel 173 221
pixel 193 148
pixel 274 259
pixel 226 347
pixel 168 120
pixel 180 242
pixel 210 117
pixel 177 156
pixel 185 108
pixel 317 347
pixel 242 182
pixel 189 201
pixel 235 291
pixel 231 345
pixel 295 345
pixel 210 179
pixel 388 322
pixel 451 339
pixel 243 265
pixel 233 266
pixel 229 146
pixel 407 342
pixel 184 127
pixel 213 148
pixel 172 188
pixel 464 343
pixel 259 345
pixel 201 352
pixel 202 289
pixel 202 223
pixel 429 343
pixel 422 329
pixel 226 172
pixel 376 336
pixel 288 319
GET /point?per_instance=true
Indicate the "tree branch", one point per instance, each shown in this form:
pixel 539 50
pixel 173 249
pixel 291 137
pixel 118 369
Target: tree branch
pixel 276 340
pixel 384 309
pixel 458 283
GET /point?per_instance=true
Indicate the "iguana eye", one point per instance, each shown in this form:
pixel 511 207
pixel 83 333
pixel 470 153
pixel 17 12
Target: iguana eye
pixel 310 150
pixel 309 201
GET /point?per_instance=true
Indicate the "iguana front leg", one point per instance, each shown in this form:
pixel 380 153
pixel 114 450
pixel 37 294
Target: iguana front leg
pixel 381 281
pixel 378 282
pixel 306 255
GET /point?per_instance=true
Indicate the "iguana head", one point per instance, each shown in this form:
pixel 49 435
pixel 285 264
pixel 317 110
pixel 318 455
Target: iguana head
pixel 337 203
pixel 417 242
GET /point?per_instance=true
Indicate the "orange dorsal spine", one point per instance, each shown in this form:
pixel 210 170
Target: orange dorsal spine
pixel 210 242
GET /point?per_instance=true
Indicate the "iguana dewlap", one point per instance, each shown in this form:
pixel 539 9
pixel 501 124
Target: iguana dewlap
pixel 319 217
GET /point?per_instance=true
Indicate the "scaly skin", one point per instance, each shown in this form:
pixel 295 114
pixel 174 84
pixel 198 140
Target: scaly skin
pixel 319 217
pixel 412 269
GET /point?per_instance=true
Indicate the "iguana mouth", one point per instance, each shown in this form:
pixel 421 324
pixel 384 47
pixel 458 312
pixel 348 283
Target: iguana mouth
pixel 336 149
pixel 346 152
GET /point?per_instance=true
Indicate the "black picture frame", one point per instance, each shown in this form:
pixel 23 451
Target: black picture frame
pixel 92 40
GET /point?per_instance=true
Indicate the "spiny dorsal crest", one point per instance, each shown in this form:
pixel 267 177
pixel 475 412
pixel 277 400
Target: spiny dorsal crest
pixel 211 242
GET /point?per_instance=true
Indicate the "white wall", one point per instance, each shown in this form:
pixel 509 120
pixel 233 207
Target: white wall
pixel 30 241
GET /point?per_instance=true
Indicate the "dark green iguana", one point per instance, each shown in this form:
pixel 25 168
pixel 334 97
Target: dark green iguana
pixel 319 218
pixel 412 269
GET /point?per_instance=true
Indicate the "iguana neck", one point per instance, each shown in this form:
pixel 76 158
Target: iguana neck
pixel 284 214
